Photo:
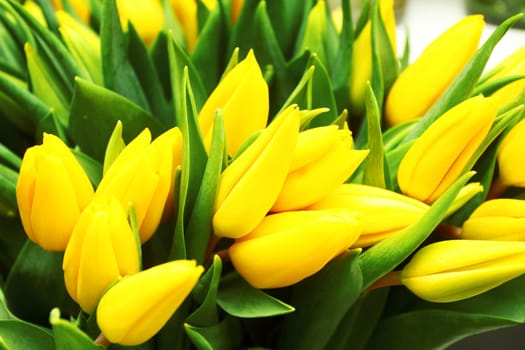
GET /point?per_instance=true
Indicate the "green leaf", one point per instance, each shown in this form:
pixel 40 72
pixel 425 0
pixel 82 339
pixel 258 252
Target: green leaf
pixel 225 335
pixel 92 168
pixel 324 297
pixel 322 94
pixel 94 113
pixel 20 335
pixel 199 228
pixel 68 336
pixel 386 255
pixel 117 70
pixel 315 34
pixel 240 299
pixel 340 75
pixel 206 315
pixel 37 276
pixel 464 83
pixel 373 167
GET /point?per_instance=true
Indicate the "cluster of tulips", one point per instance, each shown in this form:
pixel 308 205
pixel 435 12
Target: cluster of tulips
pixel 185 192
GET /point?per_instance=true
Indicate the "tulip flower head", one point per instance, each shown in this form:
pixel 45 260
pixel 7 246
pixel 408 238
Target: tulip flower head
pixel 501 219
pixel 440 154
pixel 453 270
pixel 288 247
pixel 146 15
pixel 136 308
pixel 423 82
pixel 308 179
pixel 382 213
pixel 142 175
pixel 243 97
pixel 51 192
pixel 511 158
pixel 250 185
pixel 102 249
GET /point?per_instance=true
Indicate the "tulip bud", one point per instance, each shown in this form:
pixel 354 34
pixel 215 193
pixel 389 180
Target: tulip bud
pixel 288 247
pixel 382 213
pixel 243 97
pixel 511 158
pixel 362 55
pixel 422 82
pixel 323 159
pixel 453 270
pixel 51 191
pixel 250 185
pixel 136 308
pixel 146 15
pixel 142 174
pixel 498 219
pixel 102 248
pixel 439 156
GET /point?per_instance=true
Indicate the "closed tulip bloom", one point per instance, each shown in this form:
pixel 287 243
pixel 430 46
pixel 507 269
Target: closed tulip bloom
pixel 243 97
pixel 288 247
pixel 51 192
pixel 440 154
pixel 362 55
pixel 136 308
pixel 382 213
pixel 102 248
pixel 142 175
pixel 453 270
pixel 501 219
pixel 146 15
pixel 250 185
pixel 323 159
pixel 511 158
pixel 423 82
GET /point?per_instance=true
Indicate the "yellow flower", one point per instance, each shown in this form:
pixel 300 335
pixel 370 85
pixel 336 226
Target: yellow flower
pixel 500 219
pixel 250 185
pixel 186 13
pixel 323 159
pixel 382 213
pixel 287 247
pixel 52 190
pixel 146 15
pixel 81 8
pixel 511 157
pixel 142 174
pixel 422 83
pixel 243 97
pixel 102 248
pixel 362 56
pixel 453 270
pixel 136 308
pixel 440 154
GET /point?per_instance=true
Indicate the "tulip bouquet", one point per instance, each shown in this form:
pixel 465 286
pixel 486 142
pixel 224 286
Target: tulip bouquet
pixel 230 174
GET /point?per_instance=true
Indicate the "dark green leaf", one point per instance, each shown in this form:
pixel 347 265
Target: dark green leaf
pixel 225 335
pixel 340 75
pixel 206 315
pixel 322 94
pixel 8 179
pixel 92 168
pixel 68 336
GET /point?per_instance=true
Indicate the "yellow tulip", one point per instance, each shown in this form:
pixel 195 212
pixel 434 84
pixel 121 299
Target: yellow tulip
pixel 102 248
pixel 511 158
pixel 250 185
pixel 136 308
pixel 323 159
pixel 186 13
pixel 439 156
pixel 146 15
pixel 453 270
pixel 81 8
pixel 142 174
pixel 422 82
pixel 382 213
pixel 51 191
pixel 500 219
pixel 288 247
pixel 513 64
pixel 243 97
pixel 362 55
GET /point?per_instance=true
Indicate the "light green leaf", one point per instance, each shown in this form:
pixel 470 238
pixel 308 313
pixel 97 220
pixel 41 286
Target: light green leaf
pixel 373 165
pixel 20 335
pixel 68 336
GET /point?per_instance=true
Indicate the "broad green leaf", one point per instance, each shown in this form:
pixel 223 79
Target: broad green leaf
pixel 373 165
pixel 117 70
pixel 341 71
pixel 94 113
pixel 68 336
pixel 37 276
pixel 324 297
pixel 464 83
pixel 240 299
pixel 20 335
pixel 322 94
pixel 386 255
pixel 199 228
pixel 5 314
pixel 205 292
pixel 225 335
